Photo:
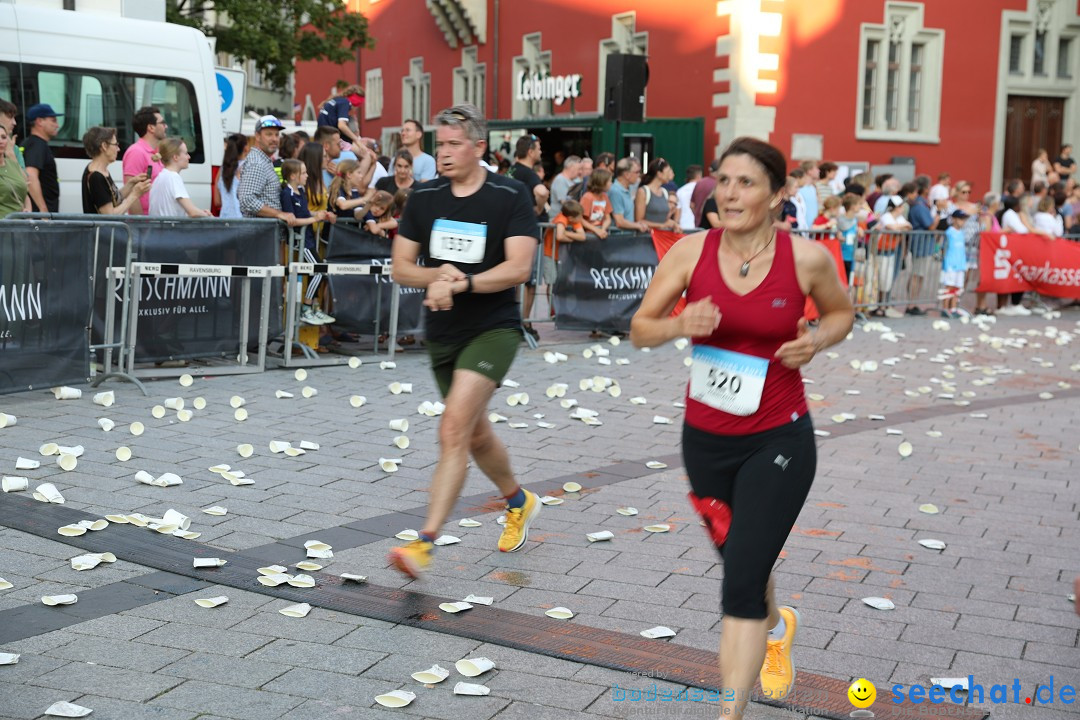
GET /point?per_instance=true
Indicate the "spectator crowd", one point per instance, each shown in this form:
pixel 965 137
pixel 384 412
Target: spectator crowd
pixel 310 182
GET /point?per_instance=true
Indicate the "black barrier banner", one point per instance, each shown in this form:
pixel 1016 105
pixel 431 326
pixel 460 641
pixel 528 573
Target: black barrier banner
pixel 354 295
pixel 601 282
pixel 191 317
pixel 44 305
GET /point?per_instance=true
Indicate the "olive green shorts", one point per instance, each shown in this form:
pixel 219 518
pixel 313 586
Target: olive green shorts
pixel 489 354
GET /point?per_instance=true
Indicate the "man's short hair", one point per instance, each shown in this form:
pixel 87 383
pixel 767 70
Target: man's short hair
pixel 524 144
pixel 571 162
pixel 605 159
pixel 943 176
pixel 419 127
pixel 906 189
pixel 465 116
pixel 8 108
pixel 693 172
pixel 626 165
pixel 1038 187
pixel 323 133
pixel 798 173
pixel 881 179
pixel 1014 186
pixel 144 118
pixel 807 165
pixel 827 167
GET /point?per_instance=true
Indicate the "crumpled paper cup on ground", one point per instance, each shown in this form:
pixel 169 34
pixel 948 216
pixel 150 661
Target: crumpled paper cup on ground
pixel 464 688
pixel 211 602
pixel 389 465
pixel 395 699
pixel 106 424
pixel 8 420
pixel 471 667
pixel 434 674
pixel 15 484
pixel 66 709
pixel 47 492
pixel 67 462
pixel 174 403
pixel 137 428
pixel 68 599
pixel 66 393
pixel 173 517
pixel 298 610
pixel 123 454
pixel 158 411
pixel 105 399
pixel 399 425
pixel 49 448
pixel 245 450
pixel 27 464
pixel 236 402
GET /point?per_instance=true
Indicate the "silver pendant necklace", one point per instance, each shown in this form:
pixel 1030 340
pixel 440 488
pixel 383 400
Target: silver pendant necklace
pixel 744 269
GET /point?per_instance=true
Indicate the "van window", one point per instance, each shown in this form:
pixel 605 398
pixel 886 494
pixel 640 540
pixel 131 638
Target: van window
pixel 7 83
pixel 94 97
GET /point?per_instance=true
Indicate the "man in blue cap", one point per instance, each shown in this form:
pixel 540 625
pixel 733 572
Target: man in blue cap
pixel 43 183
pixel 260 187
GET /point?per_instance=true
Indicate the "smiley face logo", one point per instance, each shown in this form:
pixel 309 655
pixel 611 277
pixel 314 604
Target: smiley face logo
pixel 862 693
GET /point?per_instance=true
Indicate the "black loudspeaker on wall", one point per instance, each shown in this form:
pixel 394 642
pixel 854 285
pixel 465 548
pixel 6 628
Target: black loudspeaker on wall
pixel 624 87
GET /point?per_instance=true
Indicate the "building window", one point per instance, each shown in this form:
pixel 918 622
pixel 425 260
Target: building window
pixel 470 79
pixel 532 62
pixel 416 93
pixel 373 94
pixel 1016 50
pixel 915 87
pixel 1039 65
pixel 904 104
pixel 870 84
pixel 1064 66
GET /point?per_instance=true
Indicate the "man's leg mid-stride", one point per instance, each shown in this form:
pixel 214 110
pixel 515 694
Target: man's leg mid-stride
pixel 464 431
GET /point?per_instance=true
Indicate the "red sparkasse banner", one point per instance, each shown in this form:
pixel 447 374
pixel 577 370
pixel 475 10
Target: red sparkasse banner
pixel 1011 263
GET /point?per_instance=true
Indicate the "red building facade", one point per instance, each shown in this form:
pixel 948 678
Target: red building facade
pixel 972 87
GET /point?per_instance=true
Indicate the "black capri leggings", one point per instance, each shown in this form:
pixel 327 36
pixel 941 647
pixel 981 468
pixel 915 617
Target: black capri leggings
pixel 764 478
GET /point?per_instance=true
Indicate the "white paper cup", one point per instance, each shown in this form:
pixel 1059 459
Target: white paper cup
pixel 388 465
pixel 49 449
pixel 278 446
pixel 357 400
pixel 15 484
pixel 60 599
pixel 300 375
pixel 123 454
pixel 236 402
pixel 186 380
pixel 281 394
pixel 208 562
pixel 294 451
pixel 395 699
pixel 211 602
pixel 296 611
pixel 137 428
pixel 67 393
pixel 241 414
pixel 308 445
pixel 245 450
pixel 76 450
pixel 27 464
pixel 72 530
pixel 49 492
pixel 199 403
pixel 464 688
pixel 399 425
pixel 387 365
pixel 174 517
pixel 471 667
pixel 158 411
pixel 309 392
pixel 396 388
pixel 355 362
pixel 174 403
pixel 560 613
pixel 7 420
pixel 434 674
pixel 184 415
pixel 67 462
pixel 600 536
pixel 402 442
pixel 105 399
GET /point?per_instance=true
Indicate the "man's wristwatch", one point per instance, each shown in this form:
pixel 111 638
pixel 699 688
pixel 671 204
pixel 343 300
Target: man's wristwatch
pixel 468 283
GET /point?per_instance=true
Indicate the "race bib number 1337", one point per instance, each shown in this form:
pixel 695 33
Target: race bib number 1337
pixel 456 241
pixel 728 381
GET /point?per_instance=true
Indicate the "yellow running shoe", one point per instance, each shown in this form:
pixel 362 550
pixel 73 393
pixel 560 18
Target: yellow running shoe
pixel 778 671
pixel 412 558
pixel 516 530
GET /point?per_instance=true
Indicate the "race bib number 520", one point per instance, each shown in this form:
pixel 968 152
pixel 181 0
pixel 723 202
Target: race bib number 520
pixel 728 381
pixel 456 241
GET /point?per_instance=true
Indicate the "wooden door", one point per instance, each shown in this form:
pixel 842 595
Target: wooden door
pixel 1031 123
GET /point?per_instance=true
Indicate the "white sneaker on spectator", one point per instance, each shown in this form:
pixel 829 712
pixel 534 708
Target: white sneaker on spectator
pixel 1008 310
pixel 1021 310
pixel 323 318
pixel 308 316
pixel 893 313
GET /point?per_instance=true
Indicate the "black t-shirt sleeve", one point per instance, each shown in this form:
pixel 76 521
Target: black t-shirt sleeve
pixel 99 192
pixel 522 218
pixel 709 207
pixel 36 154
pixel 387 184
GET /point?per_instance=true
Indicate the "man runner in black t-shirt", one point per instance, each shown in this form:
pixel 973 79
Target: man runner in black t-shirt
pixel 476 233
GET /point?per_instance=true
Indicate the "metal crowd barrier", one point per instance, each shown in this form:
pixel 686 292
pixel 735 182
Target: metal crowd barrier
pixel 118 241
pixel 138 269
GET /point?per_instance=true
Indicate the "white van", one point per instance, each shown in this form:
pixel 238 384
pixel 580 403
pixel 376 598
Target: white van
pixel 97 70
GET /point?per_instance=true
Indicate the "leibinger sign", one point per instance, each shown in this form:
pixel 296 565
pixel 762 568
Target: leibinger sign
pixel 557 88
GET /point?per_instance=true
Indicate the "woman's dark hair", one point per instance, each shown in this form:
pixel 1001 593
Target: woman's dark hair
pixel 1009 202
pixel 768 157
pixel 651 172
pixel 290 146
pixel 234 148
pixel 312 156
pixel 403 155
pixel 95 137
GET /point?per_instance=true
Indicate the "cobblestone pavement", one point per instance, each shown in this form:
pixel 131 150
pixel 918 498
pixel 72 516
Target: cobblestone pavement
pixel 1003 472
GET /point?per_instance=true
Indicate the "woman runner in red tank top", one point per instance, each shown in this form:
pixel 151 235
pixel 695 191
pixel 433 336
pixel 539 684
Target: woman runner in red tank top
pixel 748 443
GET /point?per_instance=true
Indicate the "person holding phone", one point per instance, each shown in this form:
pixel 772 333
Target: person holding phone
pixel 143 155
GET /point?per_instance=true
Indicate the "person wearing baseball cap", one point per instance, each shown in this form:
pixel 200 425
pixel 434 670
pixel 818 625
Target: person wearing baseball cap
pixel 42 181
pixel 260 187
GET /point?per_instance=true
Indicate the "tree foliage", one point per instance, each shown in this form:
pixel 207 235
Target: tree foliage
pixel 276 33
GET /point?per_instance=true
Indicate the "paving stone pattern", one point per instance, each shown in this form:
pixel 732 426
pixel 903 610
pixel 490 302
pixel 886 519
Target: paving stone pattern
pixel 992 604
